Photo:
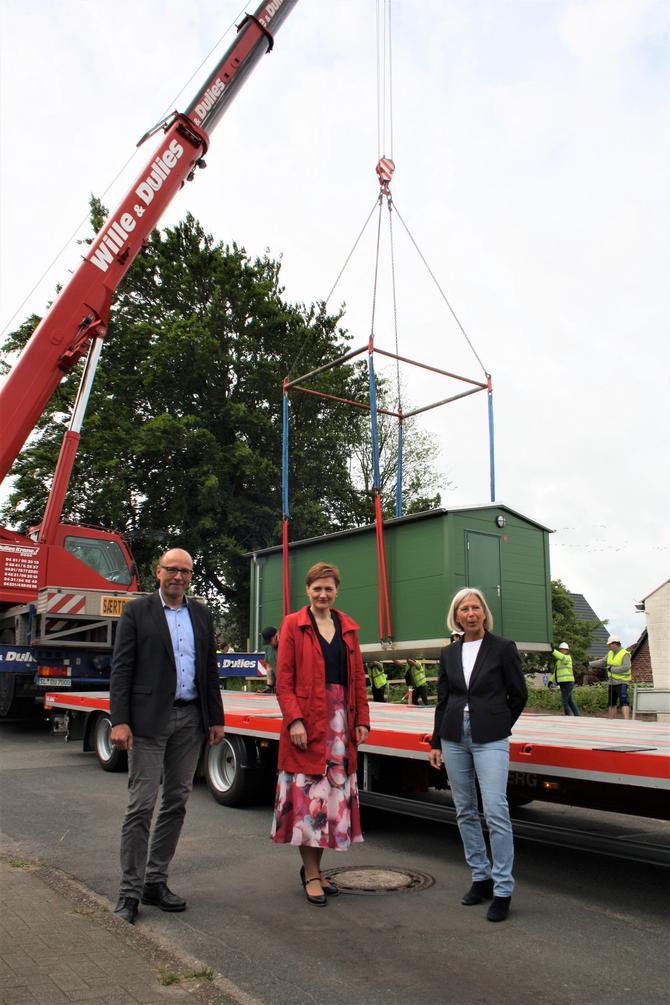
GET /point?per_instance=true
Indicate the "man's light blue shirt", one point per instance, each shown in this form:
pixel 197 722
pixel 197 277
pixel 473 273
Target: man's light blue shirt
pixel 183 647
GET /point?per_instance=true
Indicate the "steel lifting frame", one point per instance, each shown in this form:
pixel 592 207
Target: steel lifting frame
pixel 385 629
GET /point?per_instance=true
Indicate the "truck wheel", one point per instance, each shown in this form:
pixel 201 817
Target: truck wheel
pixel 514 801
pixel 109 758
pixel 229 781
pixel 7 685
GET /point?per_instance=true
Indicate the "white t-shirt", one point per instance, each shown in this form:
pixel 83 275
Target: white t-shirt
pixel 469 651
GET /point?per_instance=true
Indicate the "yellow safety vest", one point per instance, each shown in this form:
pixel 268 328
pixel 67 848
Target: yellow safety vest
pixel 614 660
pixel 563 673
pixel 377 674
pixel 417 674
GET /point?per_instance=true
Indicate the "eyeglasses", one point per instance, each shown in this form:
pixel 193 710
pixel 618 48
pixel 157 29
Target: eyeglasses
pixel 174 570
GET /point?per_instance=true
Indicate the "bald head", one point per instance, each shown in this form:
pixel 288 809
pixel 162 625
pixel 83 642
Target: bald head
pixel 176 556
pixel 173 573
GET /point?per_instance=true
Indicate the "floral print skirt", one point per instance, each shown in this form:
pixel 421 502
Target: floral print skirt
pixel 321 811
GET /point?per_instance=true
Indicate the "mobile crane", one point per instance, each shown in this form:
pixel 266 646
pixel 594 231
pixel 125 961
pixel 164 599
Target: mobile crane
pixel 63 587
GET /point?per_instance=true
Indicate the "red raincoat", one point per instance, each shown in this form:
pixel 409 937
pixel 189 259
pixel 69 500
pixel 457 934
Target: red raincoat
pixel 301 692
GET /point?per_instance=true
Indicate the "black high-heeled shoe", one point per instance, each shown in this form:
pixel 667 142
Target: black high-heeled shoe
pixel 320 899
pixel 329 888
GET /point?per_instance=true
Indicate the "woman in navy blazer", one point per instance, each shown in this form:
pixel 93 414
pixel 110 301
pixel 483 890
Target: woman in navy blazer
pixel 481 692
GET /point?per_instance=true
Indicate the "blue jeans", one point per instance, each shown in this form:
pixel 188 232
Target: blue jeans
pixel 567 699
pixel 489 764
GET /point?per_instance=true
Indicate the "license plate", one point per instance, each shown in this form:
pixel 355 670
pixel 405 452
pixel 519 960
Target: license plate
pixel 112 607
pixel 54 682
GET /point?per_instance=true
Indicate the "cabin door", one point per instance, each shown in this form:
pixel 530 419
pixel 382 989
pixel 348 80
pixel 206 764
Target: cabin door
pixel 482 557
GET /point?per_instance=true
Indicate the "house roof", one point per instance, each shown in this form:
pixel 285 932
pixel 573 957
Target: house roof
pixel 637 645
pixel 651 594
pixel 584 612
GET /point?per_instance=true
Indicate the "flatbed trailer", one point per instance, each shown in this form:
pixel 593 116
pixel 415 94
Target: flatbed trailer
pixel 599 764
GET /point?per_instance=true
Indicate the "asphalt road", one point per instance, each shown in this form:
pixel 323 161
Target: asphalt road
pixel 583 928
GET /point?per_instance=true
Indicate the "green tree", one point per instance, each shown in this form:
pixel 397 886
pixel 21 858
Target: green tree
pixel 182 438
pixel 421 479
pixel 566 628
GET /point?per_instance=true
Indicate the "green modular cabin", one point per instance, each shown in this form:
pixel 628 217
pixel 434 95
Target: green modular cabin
pixel 429 556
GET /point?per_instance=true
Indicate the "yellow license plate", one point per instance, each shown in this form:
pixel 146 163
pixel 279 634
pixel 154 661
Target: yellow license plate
pixel 112 607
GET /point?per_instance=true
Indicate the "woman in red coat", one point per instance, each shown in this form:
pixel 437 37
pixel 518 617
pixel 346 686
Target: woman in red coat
pixel 321 692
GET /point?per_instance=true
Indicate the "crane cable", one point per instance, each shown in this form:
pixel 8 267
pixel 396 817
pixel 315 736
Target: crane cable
pixel 324 304
pixel 384 169
pixel 441 292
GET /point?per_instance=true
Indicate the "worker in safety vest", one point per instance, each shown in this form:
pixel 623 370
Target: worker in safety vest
pixel 271 640
pixel 415 677
pixel 378 680
pixel 563 676
pixel 618 676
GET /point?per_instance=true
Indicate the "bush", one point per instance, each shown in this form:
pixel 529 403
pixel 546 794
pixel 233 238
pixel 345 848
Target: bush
pixel 589 699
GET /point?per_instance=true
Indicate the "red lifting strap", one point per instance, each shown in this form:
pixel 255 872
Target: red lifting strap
pixel 286 582
pixel 384 606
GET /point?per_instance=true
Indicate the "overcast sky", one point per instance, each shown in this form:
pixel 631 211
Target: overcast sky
pixel 532 149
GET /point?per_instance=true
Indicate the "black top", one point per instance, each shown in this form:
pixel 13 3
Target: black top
pixel 334 652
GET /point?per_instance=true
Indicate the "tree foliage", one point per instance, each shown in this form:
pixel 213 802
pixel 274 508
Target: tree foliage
pixel 567 627
pixel 420 477
pixel 182 439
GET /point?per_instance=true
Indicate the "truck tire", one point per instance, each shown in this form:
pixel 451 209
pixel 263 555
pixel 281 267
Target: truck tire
pixel 109 758
pixel 13 706
pixel 7 686
pixel 515 801
pixel 229 779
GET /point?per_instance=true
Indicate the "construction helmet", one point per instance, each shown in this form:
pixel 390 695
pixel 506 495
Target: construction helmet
pixel 613 638
pixel 564 645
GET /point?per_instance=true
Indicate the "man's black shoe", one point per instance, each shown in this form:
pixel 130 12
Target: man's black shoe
pixel 499 909
pixel 481 889
pixel 159 895
pixel 126 909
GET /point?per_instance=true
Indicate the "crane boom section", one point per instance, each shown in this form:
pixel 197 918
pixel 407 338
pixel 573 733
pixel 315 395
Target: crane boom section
pixel 82 308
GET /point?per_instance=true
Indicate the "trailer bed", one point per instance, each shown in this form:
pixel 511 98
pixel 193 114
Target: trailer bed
pixel 618 752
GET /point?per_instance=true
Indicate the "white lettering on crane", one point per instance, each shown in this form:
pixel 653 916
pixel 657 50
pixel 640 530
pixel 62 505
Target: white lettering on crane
pixel 18 549
pixel 208 99
pixel 238 663
pixel 116 234
pixel 160 169
pixel 270 11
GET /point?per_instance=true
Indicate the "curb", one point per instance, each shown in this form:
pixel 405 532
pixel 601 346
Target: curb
pixel 157 951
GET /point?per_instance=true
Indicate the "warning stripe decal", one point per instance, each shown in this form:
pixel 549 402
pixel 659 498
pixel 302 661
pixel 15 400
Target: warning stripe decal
pixel 65 603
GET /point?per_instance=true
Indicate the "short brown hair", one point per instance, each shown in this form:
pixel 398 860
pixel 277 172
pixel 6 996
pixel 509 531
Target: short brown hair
pixel 322 570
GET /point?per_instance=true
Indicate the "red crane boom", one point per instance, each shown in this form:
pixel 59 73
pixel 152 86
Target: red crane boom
pixel 63 555
pixel 82 308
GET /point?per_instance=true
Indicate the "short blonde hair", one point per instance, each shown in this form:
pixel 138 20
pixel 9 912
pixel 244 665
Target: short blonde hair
pixel 322 570
pixel 458 599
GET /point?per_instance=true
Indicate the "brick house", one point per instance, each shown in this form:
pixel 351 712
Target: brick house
pixel 640 659
pixel 656 608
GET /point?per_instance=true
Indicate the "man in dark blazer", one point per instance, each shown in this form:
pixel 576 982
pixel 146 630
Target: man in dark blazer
pixel 165 699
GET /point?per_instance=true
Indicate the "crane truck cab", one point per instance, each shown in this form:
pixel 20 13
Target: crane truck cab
pixel 59 606
pixel 79 557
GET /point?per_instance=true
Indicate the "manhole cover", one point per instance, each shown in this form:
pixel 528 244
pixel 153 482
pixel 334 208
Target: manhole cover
pixel 371 879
